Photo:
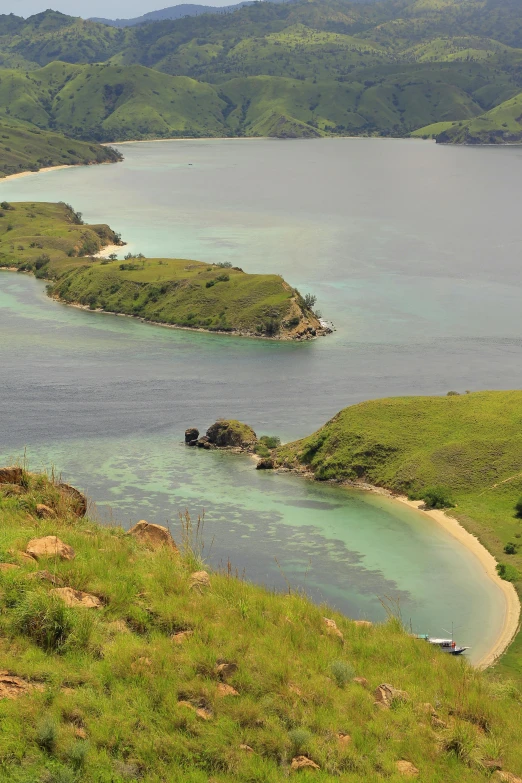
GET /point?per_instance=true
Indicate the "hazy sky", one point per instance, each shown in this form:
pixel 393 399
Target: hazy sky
pixel 110 9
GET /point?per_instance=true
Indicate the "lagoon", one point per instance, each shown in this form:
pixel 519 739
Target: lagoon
pixel 412 250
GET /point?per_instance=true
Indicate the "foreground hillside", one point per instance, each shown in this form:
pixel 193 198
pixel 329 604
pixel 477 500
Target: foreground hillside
pixel 26 148
pixel 122 659
pixel 300 69
pixel 468 447
pixel 52 241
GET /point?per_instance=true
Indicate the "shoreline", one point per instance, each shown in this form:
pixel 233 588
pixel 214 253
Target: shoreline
pixel 452 526
pixel 198 329
pixel 46 169
pixel 41 171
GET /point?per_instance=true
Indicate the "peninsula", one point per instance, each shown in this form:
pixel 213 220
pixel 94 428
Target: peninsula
pixel 125 658
pixel 52 242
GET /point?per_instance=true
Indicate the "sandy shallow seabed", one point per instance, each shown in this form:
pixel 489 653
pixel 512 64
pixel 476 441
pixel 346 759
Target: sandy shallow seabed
pixel 512 609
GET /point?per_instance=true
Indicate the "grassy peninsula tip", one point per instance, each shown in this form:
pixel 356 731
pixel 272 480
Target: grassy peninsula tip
pixel 124 658
pixel 52 241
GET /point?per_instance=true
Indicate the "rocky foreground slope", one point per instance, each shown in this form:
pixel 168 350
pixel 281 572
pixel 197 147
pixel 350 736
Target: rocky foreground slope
pixel 125 658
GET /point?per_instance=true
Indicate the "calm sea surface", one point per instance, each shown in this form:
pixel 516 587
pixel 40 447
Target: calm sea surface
pixel 414 252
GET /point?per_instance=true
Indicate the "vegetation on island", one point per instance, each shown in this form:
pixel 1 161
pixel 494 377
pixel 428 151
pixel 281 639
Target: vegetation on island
pixel 300 69
pixel 462 452
pixel 26 148
pixel 52 241
pixel 125 658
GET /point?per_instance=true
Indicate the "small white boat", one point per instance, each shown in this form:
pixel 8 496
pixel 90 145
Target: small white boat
pixel 446 645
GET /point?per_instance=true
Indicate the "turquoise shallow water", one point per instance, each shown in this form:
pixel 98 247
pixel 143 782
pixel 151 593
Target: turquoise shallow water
pixel 405 267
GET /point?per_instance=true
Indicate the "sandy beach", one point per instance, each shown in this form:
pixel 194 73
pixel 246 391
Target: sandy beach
pixel 40 171
pixel 488 563
pixel 108 250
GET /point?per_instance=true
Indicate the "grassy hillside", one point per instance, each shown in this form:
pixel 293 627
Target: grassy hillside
pixel 51 241
pixel 47 239
pixel 295 69
pixel 470 445
pixel 23 148
pixel 112 102
pixel 208 678
pixel 501 125
pixel 191 294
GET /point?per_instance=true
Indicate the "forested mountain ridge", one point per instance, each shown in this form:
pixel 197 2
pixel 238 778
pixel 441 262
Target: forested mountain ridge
pixel 287 69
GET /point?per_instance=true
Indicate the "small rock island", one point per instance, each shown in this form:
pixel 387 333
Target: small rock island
pixel 233 435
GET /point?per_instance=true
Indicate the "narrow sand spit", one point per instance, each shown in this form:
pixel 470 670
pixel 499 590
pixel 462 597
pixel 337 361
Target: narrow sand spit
pixel 512 610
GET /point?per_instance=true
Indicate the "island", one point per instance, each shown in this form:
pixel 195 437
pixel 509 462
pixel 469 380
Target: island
pixel 52 242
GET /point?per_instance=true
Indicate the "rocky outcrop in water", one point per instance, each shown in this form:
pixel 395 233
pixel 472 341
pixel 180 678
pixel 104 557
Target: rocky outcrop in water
pixel 223 434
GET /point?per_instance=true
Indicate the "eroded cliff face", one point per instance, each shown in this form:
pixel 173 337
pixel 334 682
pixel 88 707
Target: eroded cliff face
pixel 301 323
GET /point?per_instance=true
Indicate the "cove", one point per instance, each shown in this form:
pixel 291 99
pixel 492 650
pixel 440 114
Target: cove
pixel 104 400
pixel 398 242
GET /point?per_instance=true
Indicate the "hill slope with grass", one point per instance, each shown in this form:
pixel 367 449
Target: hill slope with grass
pixel 501 125
pixel 466 447
pixel 124 659
pixel 25 148
pixel 52 241
pixel 299 69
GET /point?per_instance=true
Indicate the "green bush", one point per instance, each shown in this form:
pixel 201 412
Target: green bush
pixel 435 497
pixel 261 450
pixel 518 509
pixel 299 738
pixel 52 625
pixel 508 572
pixel 46 734
pixel 510 548
pixel 270 441
pixel 342 672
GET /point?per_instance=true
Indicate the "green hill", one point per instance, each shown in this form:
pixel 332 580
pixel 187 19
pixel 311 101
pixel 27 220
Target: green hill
pixel 25 148
pixel 304 68
pixel 468 445
pixel 501 125
pixel 123 659
pixel 51 241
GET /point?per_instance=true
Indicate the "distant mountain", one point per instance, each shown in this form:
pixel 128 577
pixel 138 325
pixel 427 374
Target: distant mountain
pixel 173 12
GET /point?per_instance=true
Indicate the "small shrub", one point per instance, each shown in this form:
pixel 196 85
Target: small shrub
pixel 299 738
pixel 50 624
pixel 222 279
pixel 270 441
pixel 210 283
pixel 5 205
pixel 77 754
pixel 507 572
pixel 453 394
pixel 46 734
pixel 224 264
pixel 42 260
pixel 518 509
pixel 309 301
pixel 435 497
pixel 342 672
pixel 510 548
pixel 261 450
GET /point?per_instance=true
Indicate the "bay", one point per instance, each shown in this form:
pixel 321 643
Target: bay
pixel 414 253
